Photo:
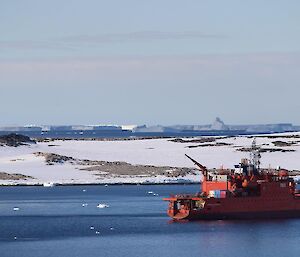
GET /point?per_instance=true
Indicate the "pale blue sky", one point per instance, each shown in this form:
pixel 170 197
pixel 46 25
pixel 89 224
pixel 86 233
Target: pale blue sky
pixel 155 62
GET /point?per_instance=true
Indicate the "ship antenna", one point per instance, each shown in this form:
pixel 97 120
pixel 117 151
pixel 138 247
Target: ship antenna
pixel 255 155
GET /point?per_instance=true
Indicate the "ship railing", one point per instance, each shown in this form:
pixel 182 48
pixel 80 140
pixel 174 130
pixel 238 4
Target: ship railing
pixel 185 196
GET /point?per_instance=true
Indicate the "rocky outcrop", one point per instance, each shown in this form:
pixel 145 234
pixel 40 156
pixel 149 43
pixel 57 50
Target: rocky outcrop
pixel 265 150
pixel 15 140
pixel 209 145
pixel 197 141
pixel 116 168
pixel 283 143
pixel 14 176
pixel 52 158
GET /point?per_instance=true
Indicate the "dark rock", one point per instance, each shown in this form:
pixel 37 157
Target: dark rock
pixel 51 158
pixel 283 143
pixel 198 141
pixel 14 176
pixel 266 150
pixel 15 140
pixel 116 167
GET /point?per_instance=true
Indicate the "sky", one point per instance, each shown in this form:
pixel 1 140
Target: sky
pixel 149 62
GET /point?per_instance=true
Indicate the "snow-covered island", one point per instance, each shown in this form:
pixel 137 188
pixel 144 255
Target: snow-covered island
pixel 138 160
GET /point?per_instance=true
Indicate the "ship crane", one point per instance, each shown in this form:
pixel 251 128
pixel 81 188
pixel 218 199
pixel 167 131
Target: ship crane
pixel 202 168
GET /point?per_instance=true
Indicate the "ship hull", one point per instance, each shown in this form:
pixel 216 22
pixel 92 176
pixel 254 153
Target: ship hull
pixel 243 215
pixel 247 193
pixel 271 207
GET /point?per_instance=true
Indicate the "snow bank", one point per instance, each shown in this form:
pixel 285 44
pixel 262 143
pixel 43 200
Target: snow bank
pixel 158 152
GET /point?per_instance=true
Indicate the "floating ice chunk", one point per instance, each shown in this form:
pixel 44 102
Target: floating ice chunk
pixel 102 205
pixel 152 193
pixel 48 184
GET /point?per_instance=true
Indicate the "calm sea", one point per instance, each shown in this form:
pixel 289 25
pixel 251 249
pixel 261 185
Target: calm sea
pixel 65 222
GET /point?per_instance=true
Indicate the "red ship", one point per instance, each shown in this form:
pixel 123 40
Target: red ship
pixel 247 192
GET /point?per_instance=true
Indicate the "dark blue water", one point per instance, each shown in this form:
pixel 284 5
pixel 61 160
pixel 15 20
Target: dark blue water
pixel 52 222
pixel 77 134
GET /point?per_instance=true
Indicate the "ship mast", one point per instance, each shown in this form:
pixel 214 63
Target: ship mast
pixel 255 156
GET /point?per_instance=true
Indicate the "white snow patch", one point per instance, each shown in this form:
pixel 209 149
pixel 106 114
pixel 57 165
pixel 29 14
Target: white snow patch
pixel 163 153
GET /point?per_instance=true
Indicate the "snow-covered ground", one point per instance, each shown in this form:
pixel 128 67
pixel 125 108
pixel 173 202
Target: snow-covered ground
pixel 158 152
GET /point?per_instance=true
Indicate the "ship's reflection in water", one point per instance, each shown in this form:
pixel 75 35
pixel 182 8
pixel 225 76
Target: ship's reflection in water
pixel 54 222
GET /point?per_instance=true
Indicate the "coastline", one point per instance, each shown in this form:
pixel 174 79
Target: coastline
pixel 156 161
pixel 102 184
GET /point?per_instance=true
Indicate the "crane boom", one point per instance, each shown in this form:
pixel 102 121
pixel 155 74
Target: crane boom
pixel 201 167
